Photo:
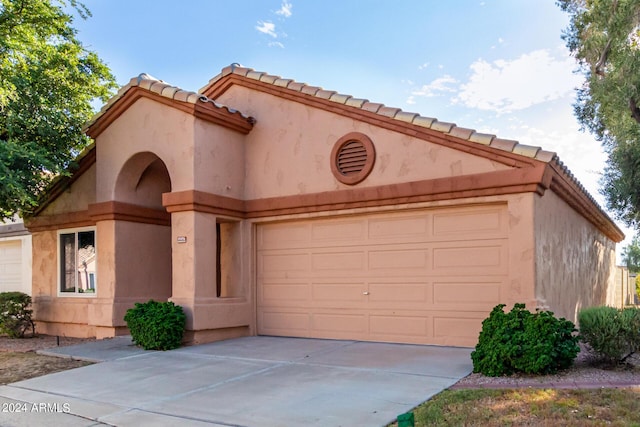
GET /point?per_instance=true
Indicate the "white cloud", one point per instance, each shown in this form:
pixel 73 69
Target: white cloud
pixel 436 87
pixel 504 86
pixel 276 44
pixel 268 28
pixel 423 66
pixel 285 9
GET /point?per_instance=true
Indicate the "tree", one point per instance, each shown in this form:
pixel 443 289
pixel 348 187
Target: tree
pixel 48 80
pixel 631 256
pixel 604 36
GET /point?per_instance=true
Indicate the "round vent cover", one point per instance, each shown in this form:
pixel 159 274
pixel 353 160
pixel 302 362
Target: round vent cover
pixel 352 158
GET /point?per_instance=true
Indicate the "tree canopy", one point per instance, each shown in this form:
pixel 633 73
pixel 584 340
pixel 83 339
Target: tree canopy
pixel 48 81
pixel 604 36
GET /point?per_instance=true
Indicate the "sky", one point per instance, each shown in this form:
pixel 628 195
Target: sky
pixel 497 66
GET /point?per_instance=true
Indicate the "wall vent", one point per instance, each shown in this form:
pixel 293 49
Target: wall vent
pixel 352 158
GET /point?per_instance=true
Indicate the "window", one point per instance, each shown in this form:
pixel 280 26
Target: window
pixel 77 255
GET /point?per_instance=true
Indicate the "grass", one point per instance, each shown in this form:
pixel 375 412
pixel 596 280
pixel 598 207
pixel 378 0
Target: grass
pixel 531 407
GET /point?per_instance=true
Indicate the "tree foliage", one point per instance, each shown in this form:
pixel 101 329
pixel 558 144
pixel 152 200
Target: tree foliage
pixel 631 256
pixel 48 80
pixel 604 36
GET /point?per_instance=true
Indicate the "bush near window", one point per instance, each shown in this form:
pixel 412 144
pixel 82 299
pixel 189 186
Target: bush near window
pixel 612 334
pixel 521 341
pixel 15 314
pixel 156 325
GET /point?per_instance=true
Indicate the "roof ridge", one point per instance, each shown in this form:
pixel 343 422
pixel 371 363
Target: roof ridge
pixel 162 88
pixel 452 129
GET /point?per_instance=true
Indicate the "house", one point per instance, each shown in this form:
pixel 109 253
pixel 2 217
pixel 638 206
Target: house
pixel 15 256
pixel 266 206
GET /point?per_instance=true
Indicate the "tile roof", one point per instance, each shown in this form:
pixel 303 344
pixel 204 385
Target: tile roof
pixel 432 123
pixel 394 113
pixel 146 81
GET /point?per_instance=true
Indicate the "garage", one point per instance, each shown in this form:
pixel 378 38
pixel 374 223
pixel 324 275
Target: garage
pixel 11 265
pixel 424 276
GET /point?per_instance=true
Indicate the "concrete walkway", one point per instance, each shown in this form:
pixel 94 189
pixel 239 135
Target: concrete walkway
pixel 253 381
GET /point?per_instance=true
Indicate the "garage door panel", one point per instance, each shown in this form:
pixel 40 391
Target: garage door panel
pixel 395 326
pixel 452 330
pixel 284 235
pixel 353 262
pixel 324 233
pixel 346 294
pixel 282 321
pixel 284 265
pixel 467 293
pixel 279 293
pixel 399 259
pixel 410 228
pixel 339 325
pixel 475 259
pixel 426 277
pixel 400 294
pixel 470 224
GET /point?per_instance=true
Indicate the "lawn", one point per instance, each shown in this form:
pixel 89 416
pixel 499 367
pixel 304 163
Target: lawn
pixel 531 407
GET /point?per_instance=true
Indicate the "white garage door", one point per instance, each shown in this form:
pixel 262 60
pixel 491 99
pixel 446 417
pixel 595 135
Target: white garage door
pixel 426 277
pixel 11 265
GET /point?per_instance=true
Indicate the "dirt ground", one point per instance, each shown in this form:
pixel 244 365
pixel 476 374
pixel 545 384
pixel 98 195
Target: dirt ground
pixel 19 360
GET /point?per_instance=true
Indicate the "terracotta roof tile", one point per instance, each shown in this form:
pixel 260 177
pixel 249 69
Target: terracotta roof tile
pixel 462 133
pixel 423 121
pixel 372 106
pixel 545 156
pixel 150 83
pixel 356 102
pixel 442 126
pixel 481 138
pixel 310 90
pixel 325 94
pixel 255 75
pixel 339 98
pixel 297 86
pixel 503 144
pixel 267 78
pixel 282 82
pixel 526 150
pixel 405 116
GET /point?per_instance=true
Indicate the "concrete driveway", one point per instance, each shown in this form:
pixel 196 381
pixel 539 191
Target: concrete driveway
pixel 253 381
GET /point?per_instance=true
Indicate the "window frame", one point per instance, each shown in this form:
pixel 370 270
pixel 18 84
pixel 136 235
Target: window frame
pixel 75 232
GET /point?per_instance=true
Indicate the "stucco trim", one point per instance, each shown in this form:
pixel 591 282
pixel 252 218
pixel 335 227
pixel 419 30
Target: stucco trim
pixel 121 211
pixel 193 200
pixel 476 185
pixel 203 110
pixel 76 219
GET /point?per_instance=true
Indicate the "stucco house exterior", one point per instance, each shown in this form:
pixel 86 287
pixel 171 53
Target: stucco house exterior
pixel 266 206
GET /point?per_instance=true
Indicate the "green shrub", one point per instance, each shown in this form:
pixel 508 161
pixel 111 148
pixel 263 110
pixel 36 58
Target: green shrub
pixel 612 334
pixel 520 341
pixel 15 314
pixel 156 325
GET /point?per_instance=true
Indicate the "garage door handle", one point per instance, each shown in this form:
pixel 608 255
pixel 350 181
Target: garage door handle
pixel 365 293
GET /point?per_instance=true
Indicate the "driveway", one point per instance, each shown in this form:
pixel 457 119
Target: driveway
pixel 253 381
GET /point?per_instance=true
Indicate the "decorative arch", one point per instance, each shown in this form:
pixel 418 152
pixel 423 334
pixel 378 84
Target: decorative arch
pixel 142 180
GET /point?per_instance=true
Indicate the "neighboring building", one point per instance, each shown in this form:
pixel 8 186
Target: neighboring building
pixel 267 206
pixel 15 257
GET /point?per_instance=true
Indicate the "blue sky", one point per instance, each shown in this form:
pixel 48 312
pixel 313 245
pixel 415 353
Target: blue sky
pixel 498 66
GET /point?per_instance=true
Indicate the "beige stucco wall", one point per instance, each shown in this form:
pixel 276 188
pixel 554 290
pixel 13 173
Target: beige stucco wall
pixel 146 126
pixel 289 149
pixel 76 197
pixel 574 261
